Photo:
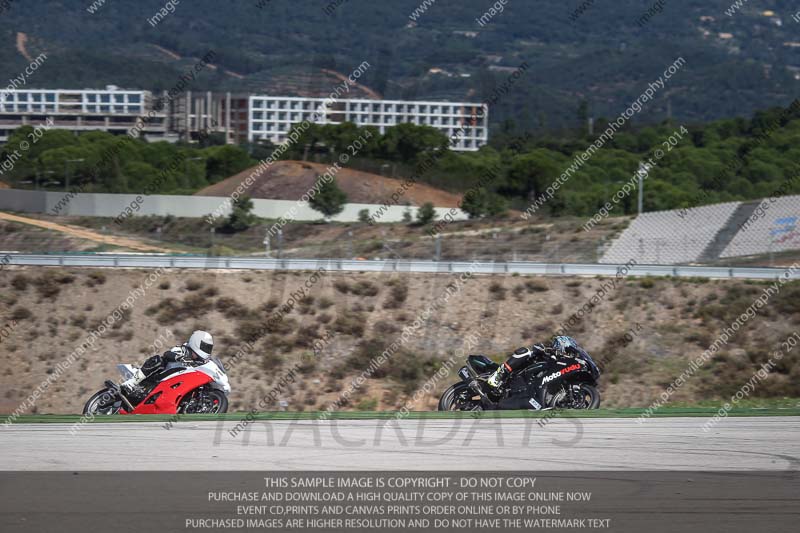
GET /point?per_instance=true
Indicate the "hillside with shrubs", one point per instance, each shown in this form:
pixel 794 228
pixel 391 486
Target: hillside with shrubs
pixel 643 334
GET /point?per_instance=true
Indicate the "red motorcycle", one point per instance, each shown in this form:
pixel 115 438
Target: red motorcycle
pixel 180 390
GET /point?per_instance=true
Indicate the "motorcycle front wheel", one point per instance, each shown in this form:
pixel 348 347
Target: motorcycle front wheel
pixel 104 402
pixel 583 396
pixel 204 402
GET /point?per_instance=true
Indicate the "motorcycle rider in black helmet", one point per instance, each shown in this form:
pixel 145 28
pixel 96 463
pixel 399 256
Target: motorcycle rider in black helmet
pixel 522 357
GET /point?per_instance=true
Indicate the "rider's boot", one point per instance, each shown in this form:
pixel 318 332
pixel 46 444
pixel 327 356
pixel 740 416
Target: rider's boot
pixel 498 379
pixel 131 386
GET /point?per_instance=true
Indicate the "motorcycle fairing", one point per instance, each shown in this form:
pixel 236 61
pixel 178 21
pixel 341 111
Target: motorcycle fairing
pixel 214 369
pixel 541 380
pixel 166 396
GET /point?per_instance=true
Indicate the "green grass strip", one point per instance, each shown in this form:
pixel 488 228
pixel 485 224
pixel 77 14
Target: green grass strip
pixel 428 415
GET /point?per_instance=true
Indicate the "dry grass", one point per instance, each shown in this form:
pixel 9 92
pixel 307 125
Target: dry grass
pixel 679 319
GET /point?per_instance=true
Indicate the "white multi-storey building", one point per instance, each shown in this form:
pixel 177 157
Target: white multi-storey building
pixel 272 117
pixel 111 109
pixel 239 116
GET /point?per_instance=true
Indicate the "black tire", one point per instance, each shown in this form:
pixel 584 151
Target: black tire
pixel 223 401
pixel 216 397
pixel 101 403
pixel 448 400
pixel 592 394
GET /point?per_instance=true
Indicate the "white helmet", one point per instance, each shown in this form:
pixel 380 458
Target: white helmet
pixel 201 343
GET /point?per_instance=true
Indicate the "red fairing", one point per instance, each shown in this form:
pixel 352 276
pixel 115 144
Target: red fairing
pixel 167 402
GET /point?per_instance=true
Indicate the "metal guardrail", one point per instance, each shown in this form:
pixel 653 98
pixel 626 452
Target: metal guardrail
pixel 412 266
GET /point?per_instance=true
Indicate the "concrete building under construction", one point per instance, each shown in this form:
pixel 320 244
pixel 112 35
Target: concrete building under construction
pixel 239 117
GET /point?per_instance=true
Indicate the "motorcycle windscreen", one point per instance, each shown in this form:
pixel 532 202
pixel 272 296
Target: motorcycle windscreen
pixel 583 354
pixel 126 371
pixel 219 364
pixel 215 371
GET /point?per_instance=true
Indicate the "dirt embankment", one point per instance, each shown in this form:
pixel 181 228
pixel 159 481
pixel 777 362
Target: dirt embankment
pixel 125 243
pixel 22 41
pixel 362 314
pixel 289 180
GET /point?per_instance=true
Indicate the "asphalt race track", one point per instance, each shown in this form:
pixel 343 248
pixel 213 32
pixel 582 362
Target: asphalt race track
pixel 747 443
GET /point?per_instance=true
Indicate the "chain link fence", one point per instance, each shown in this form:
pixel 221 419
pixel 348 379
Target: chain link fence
pixel 734 234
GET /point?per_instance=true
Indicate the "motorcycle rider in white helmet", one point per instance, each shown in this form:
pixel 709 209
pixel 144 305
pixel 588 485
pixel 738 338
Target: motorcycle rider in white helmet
pixel 195 352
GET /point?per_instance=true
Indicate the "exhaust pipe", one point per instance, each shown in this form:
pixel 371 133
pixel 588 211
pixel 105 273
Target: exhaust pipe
pixel 113 386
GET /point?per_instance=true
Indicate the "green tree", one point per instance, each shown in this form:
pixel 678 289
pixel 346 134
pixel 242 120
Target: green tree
pixel 531 173
pixel 329 200
pixel 241 217
pixel 225 161
pixel 144 176
pixel 478 203
pixel 214 138
pixel 406 142
pixel 259 150
pixel 426 214
pixel 363 216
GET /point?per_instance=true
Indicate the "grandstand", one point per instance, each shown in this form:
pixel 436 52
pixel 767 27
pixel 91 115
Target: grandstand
pixel 710 233
pixel 772 228
pixel 666 237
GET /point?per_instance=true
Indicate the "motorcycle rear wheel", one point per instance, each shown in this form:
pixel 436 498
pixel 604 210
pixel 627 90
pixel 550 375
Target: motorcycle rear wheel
pixel 104 402
pixel 458 398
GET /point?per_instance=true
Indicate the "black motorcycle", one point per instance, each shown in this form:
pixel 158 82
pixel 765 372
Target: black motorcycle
pixel 550 382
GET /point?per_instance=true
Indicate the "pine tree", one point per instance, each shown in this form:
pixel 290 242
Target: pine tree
pixel 329 200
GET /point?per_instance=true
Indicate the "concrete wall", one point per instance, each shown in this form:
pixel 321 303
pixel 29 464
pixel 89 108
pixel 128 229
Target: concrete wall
pixel 112 205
